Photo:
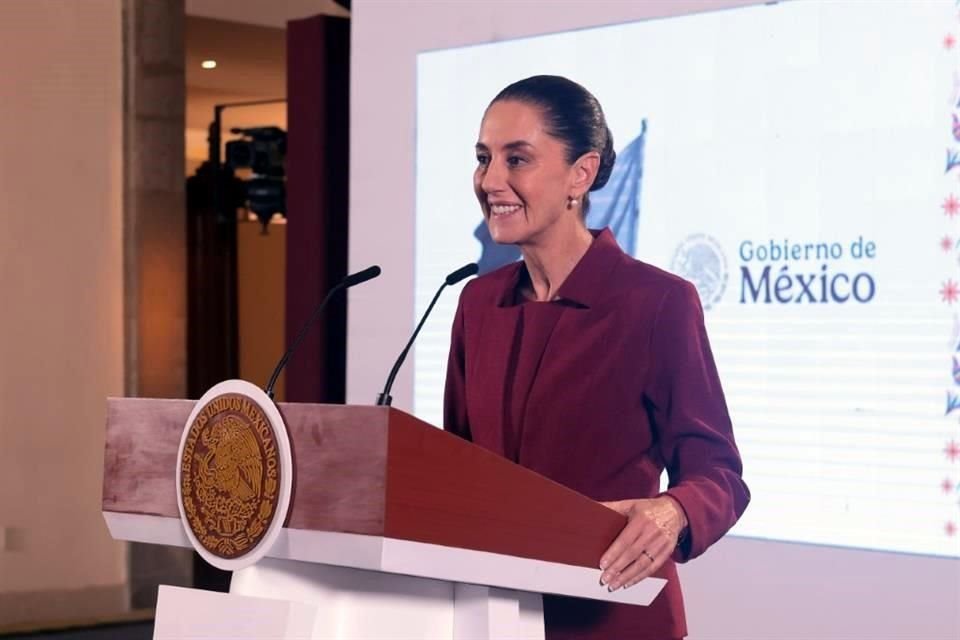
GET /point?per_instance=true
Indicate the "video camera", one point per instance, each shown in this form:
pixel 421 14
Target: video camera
pixel 263 150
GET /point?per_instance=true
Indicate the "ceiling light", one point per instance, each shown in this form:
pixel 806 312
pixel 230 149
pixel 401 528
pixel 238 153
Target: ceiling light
pixel 209 64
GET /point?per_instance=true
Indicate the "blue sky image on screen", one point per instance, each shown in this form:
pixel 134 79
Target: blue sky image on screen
pixel 804 173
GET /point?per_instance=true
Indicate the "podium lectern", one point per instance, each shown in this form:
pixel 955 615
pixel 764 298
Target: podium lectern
pixel 395 529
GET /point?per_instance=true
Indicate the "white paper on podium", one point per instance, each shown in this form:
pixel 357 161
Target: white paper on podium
pixel 195 614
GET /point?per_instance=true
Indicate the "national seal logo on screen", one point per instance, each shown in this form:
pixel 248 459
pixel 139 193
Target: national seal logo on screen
pixel 701 260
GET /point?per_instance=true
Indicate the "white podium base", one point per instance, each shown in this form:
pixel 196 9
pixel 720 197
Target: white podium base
pixel 283 599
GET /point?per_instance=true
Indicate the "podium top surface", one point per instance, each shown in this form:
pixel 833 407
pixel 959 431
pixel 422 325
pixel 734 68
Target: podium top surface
pixel 375 471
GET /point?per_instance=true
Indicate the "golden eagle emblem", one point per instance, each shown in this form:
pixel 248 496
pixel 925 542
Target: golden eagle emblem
pixel 230 475
pixel 232 462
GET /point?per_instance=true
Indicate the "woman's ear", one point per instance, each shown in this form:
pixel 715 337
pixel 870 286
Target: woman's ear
pixel 585 171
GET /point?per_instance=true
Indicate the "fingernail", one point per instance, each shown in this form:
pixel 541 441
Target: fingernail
pixel 604 563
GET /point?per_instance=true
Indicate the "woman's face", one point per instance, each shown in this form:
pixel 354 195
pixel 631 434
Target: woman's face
pixel 522 178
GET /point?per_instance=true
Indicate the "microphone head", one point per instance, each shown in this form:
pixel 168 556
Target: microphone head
pixel 465 271
pixel 361 276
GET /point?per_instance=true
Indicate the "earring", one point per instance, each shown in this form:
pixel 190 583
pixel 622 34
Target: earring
pixel 571 201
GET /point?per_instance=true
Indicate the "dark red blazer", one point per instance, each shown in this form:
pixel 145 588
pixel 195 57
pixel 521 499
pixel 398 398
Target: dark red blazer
pixel 601 390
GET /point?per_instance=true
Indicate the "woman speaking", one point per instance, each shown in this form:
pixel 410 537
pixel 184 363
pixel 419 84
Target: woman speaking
pixel 588 366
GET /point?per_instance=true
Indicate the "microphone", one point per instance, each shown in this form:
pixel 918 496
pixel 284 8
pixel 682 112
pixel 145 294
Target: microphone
pixel 351 280
pixel 360 277
pixel 467 270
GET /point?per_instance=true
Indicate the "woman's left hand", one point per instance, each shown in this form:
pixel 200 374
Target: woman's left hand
pixel 649 538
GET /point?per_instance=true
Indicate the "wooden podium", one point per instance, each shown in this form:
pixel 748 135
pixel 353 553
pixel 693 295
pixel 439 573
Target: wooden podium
pixel 395 529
